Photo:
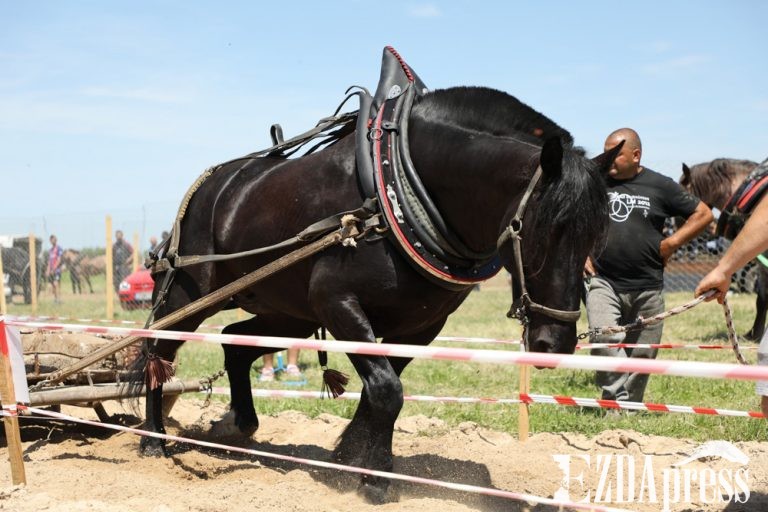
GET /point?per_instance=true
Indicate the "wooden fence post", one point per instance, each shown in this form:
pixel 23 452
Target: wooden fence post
pixel 2 286
pixel 11 423
pixel 523 424
pixel 33 272
pixel 136 252
pixel 109 275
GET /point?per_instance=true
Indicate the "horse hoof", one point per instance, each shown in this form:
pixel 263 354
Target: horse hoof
pixel 377 494
pixel 227 427
pixel 152 448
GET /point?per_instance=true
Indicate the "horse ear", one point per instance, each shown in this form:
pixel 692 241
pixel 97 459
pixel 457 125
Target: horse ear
pixel 686 174
pixel 605 160
pixel 551 159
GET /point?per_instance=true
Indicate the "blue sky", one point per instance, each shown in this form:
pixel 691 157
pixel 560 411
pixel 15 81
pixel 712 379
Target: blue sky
pixel 116 107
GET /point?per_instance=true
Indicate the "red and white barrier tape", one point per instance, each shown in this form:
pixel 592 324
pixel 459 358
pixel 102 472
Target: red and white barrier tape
pixel 461 339
pixel 330 465
pixel 634 406
pixel 602 363
pixel 29 318
pixel 589 346
pixel 524 398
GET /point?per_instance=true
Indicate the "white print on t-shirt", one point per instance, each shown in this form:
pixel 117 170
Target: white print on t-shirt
pixel 621 205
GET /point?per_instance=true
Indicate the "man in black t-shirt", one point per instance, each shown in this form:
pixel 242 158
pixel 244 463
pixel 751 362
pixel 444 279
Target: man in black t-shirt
pixel 625 280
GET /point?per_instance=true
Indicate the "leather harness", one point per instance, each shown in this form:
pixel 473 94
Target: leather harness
pixel 739 207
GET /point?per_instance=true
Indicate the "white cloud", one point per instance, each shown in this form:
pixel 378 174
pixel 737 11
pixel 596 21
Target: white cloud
pixel 684 63
pixel 761 105
pixel 424 11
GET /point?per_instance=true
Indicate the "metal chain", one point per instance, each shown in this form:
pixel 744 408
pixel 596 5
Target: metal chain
pixel 206 385
pixel 641 323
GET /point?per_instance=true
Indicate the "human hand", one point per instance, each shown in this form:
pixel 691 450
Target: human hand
pixel 666 251
pixel 589 268
pixel 716 280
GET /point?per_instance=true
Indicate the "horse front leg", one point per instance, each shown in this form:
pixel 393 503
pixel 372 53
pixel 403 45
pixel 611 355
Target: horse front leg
pixel 238 360
pixel 152 446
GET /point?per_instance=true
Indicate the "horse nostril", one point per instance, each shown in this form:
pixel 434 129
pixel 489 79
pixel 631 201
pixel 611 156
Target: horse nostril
pixel 542 345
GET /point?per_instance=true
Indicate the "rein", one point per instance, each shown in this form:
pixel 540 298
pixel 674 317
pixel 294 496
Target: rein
pixel 524 302
pixel 641 323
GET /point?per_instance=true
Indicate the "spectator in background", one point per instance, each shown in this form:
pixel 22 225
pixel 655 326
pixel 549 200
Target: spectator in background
pixel 152 246
pixel 292 371
pixel 53 269
pixel 122 259
pixel 625 281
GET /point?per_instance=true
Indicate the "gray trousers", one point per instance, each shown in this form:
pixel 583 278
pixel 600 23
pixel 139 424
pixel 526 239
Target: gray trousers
pixel 761 386
pixel 607 307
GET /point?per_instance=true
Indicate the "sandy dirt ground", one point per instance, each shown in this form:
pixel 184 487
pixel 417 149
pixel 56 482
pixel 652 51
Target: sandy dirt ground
pixel 74 467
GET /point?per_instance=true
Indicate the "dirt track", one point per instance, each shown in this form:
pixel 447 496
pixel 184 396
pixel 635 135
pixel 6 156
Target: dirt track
pixel 78 468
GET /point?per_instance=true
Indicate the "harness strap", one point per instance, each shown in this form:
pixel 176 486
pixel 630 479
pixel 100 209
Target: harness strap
pixel 366 212
pixel 351 228
pixel 512 232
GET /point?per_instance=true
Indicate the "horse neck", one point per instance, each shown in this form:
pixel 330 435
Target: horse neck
pixel 473 178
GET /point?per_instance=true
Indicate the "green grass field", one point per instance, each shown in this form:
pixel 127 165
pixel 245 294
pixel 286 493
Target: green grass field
pixel 483 315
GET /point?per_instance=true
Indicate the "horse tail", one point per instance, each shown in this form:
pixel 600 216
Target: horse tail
pixel 134 386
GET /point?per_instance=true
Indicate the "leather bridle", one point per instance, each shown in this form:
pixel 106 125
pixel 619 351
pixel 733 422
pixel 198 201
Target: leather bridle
pixel 524 304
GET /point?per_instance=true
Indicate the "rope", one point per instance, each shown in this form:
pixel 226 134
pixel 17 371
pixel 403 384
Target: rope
pixel 641 323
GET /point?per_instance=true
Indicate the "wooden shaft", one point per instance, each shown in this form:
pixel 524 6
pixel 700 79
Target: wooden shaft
pixel 202 303
pixel 102 392
pixel 11 423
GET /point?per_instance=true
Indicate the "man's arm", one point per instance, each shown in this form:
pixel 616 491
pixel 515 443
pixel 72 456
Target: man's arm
pixel 694 224
pixel 751 241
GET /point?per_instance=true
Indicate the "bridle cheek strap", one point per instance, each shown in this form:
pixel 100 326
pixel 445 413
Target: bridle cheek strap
pixel 512 232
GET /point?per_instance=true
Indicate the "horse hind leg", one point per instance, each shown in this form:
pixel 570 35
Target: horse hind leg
pixel 238 360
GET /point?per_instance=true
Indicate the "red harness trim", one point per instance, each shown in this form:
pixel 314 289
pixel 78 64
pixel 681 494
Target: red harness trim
pixel 755 189
pixel 392 220
pixel 405 67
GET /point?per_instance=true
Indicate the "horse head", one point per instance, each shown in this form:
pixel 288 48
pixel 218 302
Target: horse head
pixel 714 182
pixel 566 221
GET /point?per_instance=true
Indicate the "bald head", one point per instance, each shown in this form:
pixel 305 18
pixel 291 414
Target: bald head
pixel 627 162
pixel 630 136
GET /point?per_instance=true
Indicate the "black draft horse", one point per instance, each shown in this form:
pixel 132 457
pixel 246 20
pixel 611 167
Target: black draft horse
pixel 714 183
pixel 475 153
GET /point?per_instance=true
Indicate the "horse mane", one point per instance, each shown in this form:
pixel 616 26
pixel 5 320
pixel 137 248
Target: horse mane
pixel 489 111
pixel 712 182
pixel 573 206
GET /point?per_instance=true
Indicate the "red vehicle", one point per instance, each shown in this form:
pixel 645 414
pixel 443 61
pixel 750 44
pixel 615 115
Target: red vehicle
pixel 135 291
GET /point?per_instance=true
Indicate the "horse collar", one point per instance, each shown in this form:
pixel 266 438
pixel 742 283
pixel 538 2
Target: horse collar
pixel 417 228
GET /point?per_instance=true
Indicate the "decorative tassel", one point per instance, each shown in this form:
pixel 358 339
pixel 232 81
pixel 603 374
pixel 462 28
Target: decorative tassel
pixel 334 382
pixel 158 371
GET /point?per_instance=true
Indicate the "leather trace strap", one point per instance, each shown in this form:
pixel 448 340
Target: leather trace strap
pixel 367 212
pixel 524 303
